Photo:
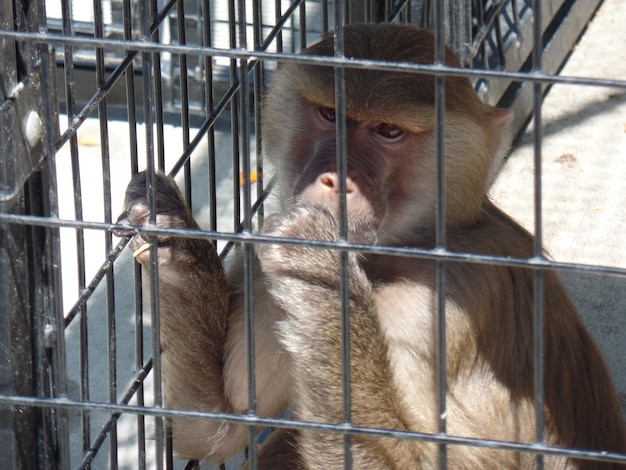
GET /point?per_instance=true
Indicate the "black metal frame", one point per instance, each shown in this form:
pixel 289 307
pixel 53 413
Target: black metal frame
pixel 35 319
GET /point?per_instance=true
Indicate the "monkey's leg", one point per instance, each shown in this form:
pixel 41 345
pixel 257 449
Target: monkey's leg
pixel 193 309
pixel 306 283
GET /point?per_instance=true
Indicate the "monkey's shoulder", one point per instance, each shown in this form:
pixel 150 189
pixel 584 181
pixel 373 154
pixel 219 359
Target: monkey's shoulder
pixel 495 233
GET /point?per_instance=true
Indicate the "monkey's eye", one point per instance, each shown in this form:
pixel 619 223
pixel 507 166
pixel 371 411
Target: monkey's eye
pixel 388 131
pixel 328 113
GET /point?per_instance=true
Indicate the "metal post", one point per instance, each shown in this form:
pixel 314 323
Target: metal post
pixel 32 350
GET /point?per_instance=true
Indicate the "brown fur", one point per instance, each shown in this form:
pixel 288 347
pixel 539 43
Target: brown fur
pixel 391 200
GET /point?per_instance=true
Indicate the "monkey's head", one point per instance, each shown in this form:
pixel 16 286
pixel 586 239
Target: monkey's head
pixel 390 132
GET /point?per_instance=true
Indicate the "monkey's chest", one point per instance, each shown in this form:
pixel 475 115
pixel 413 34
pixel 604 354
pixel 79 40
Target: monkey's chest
pixel 407 312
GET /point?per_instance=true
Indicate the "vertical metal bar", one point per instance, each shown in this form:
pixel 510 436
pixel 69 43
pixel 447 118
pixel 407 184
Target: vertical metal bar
pixel 441 226
pixel 325 16
pixel 302 27
pixel 209 94
pixel 277 14
pixel 342 171
pixel 154 298
pixel 131 107
pixel 482 52
pixel 158 111
pixel 57 429
pixel 184 96
pixel 244 129
pixel 164 450
pixel 139 364
pixel 515 10
pixel 500 43
pixel 259 72
pixel 234 116
pixel 157 89
pixel 340 115
pixel 53 300
pixel 66 13
pixel 538 353
pixel 106 187
pixel 147 13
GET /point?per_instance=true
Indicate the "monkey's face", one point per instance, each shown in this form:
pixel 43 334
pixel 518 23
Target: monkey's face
pixel 384 168
pixel 391 178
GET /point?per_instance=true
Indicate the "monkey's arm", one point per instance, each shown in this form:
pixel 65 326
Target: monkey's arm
pixel 194 315
pixel 306 282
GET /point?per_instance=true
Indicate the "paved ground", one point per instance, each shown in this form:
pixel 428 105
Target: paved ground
pixel 584 210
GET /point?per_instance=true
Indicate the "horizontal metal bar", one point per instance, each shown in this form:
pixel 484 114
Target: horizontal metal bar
pixel 535 77
pixel 434 254
pixel 251 420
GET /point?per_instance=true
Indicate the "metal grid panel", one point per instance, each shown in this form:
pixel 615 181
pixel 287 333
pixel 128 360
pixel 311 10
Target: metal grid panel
pixel 195 82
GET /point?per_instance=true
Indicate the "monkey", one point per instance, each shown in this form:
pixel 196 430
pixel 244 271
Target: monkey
pixel 391 200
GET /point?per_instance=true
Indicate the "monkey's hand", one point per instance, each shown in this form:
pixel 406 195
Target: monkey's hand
pixel 311 263
pixel 172 212
pixel 193 311
pixel 306 282
pixel 192 286
pixel 313 223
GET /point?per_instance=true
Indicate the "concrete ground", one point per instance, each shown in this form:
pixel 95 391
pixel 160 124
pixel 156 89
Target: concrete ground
pixel 584 215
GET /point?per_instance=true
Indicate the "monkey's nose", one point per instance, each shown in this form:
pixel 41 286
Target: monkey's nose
pixel 331 181
pixel 123 221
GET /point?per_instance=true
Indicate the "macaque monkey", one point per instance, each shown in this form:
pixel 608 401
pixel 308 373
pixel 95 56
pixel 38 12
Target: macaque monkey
pixel 391 194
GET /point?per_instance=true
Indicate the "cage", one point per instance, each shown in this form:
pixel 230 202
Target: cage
pixel 92 93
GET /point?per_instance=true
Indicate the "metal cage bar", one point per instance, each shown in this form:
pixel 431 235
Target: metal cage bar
pixel 203 83
pixel 538 287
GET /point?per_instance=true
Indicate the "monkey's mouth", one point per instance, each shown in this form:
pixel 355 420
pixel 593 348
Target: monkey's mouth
pixel 139 245
pixel 141 249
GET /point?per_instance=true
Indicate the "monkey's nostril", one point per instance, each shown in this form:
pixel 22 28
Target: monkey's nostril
pixel 349 186
pixel 328 181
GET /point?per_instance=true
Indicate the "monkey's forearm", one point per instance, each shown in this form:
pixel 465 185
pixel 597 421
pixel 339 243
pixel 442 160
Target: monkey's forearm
pixel 194 314
pixel 193 308
pixel 306 282
pixel 312 333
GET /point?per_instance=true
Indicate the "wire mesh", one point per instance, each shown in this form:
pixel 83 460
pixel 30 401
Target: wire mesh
pixel 174 86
